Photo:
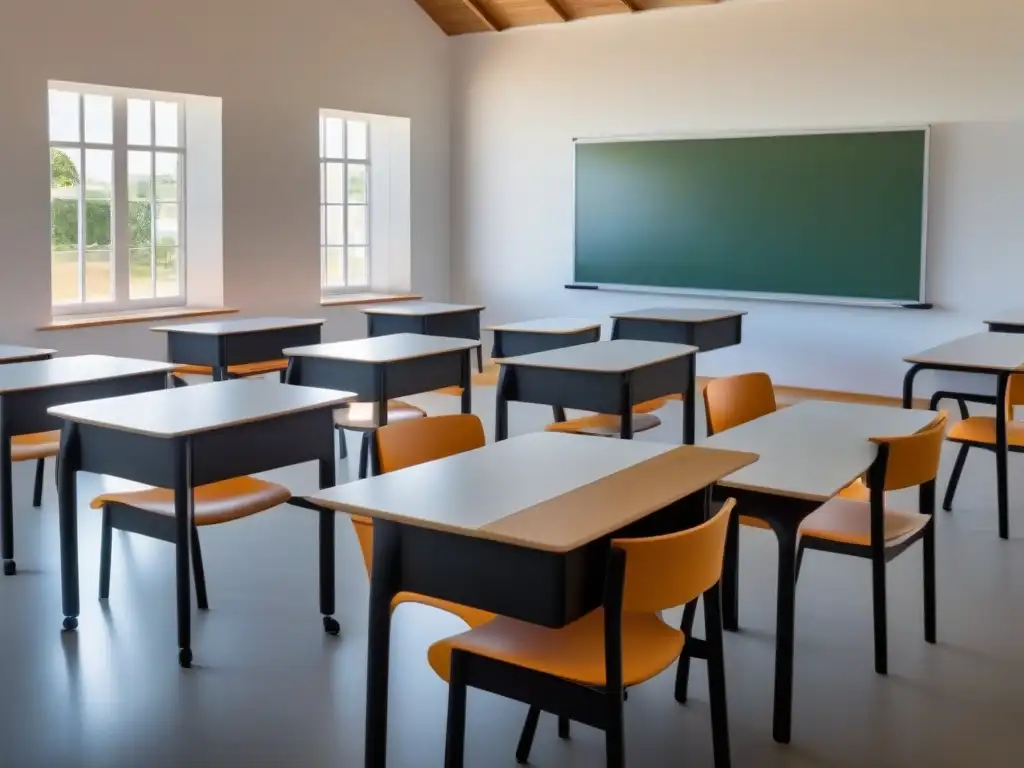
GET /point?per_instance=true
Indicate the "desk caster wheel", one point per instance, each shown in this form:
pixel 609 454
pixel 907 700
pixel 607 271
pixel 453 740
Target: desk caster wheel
pixel 331 626
pixel 70 623
pixel 185 658
pixel 10 568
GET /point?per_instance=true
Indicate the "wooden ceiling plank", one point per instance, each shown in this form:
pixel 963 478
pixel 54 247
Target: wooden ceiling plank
pixel 482 14
pixel 560 9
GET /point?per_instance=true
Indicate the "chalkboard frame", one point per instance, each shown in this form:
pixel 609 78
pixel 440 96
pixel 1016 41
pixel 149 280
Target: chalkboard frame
pixel 801 298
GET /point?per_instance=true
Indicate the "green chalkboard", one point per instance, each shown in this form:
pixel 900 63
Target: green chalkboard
pixel 824 215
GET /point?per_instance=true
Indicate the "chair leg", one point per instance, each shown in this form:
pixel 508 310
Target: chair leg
pixel 106 530
pixel 716 676
pixel 614 734
pixel 342 445
pixel 364 455
pixel 37 490
pixel 480 359
pixel 683 668
pixel 456 739
pixel 526 737
pixel 929 583
pixel 954 478
pixel 198 575
pixel 799 561
pixel 878 600
pixel 563 727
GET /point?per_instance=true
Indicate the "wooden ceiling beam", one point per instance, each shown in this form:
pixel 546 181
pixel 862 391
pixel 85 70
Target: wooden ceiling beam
pixel 481 13
pixel 561 10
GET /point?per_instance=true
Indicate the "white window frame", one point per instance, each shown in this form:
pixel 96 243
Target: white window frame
pixel 120 245
pixel 346 117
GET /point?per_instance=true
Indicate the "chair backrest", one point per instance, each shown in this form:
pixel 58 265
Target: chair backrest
pixel 668 571
pixel 407 443
pixel 1014 394
pixel 913 459
pixel 734 400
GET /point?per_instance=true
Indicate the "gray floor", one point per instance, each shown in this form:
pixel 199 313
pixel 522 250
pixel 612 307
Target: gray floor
pixel 270 689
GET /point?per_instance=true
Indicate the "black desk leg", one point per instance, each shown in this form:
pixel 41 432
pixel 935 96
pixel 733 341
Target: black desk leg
pixel 6 502
pixel 730 577
pixel 182 547
pixel 67 505
pixel 480 359
pixel 1002 471
pixel 785 629
pixel 327 517
pixel 466 377
pixel 383 587
pixel 501 405
pixel 908 385
pixel 626 412
pixel 690 406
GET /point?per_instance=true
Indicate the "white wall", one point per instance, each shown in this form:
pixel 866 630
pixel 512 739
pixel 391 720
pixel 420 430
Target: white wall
pixel 759 65
pixel 274 65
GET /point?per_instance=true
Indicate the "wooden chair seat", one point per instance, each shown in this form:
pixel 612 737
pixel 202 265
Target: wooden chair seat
pixel 40 445
pixel 359 416
pixel 575 652
pixel 650 406
pixel 604 425
pixel 239 371
pixel 848 521
pixel 982 430
pixel 214 503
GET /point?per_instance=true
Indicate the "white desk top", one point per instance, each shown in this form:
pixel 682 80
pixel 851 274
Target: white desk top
pixel 200 407
pixel 420 308
pixel 551 325
pixel 384 349
pixel 814 449
pixel 995 351
pixel 680 314
pixel 1010 317
pixel 60 371
pixel 603 356
pixel 544 490
pixel 9 353
pixel 240 325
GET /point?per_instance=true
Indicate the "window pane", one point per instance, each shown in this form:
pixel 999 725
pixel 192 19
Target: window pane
pixel 99 284
pixel 335 225
pixel 166 123
pixel 357 225
pixel 64 276
pixel 99 173
pixel 64 116
pixel 167 224
pixel 140 175
pixel 358 274
pixel 334 146
pixel 167 165
pixel 64 225
pixel 140 129
pixel 140 224
pixel 140 274
pixel 167 271
pixel 357 136
pixel 97 224
pixel 335 182
pixel 334 267
pixel 357 184
pixel 65 172
pixel 99 119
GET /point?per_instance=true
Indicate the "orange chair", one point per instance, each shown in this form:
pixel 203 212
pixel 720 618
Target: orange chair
pixel 980 432
pixel 38 446
pixel 359 417
pixel 234 371
pixel 868 529
pixel 405 444
pixel 607 425
pixel 583 670
pixel 151 513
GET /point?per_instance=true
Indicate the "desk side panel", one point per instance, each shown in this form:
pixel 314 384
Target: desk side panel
pixel 260 346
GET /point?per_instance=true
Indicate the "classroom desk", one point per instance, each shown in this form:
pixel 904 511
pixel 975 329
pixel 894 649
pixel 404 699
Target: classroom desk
pixel 705 329
pixel 605 376
pixel 520 528
pixel 994 355
pixel 457 321
pixel 220 343
pixel 1007 322
pixel 10 353
pixel 185 437
pixel 28 389
pixel 808 453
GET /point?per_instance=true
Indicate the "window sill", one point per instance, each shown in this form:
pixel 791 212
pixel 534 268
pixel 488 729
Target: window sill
pixel 68 322
pixel 352 299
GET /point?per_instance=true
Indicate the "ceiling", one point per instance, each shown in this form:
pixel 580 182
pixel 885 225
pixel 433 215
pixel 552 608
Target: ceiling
pixel 460 17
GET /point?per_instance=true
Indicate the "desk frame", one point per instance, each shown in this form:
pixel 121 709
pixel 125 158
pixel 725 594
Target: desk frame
pixel 706 335
pixel 458 324
pixel 221 350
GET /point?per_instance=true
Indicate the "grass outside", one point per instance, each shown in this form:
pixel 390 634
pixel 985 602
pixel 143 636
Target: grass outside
pixel 98 283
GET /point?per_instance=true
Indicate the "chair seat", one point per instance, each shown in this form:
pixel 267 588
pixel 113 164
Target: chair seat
pixel 848 521
pixel 982 429
pixel 39 445
pixel 472 616
pixel 247 369
pixel 575 653
pixel 214 503
pixel 857 490
pixel 754 522
pixel 604 425
pixel 649 406
pixel 360 415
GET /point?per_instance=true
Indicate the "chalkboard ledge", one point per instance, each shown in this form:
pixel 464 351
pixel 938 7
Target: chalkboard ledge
pixel 780 297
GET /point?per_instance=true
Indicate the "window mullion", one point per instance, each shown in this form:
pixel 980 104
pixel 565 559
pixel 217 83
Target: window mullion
pixel 122 230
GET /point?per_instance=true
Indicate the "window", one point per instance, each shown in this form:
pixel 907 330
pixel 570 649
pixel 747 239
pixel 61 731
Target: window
pixel 345 263
pixel 117 199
